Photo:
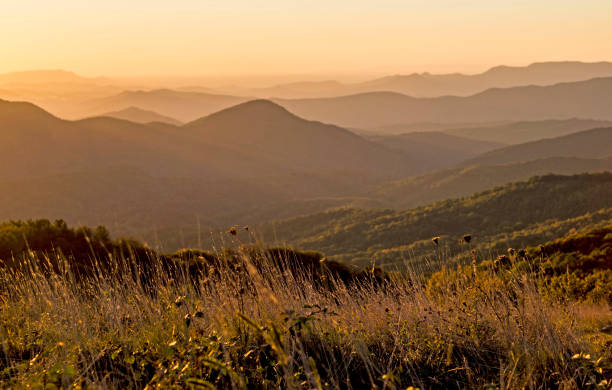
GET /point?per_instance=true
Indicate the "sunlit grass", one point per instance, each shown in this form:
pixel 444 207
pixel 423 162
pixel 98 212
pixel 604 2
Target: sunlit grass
pixel 258 325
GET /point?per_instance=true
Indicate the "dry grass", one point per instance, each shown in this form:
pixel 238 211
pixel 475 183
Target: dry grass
pixel 259 327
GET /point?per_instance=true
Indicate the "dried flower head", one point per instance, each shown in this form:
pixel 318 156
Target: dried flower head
pixel 467 238
pixel 503 259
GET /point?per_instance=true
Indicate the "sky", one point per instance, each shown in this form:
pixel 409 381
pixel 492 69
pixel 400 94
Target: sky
pixel 314 37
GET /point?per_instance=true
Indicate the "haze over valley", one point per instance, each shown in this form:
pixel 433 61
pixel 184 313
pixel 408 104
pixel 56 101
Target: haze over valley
pixel 306 195
pixel 212 160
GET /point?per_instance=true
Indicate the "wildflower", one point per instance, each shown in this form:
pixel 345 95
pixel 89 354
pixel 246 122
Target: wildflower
pixel 435 240
pixel 502 259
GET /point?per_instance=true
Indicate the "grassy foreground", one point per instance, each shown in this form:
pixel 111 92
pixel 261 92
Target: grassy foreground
pixel 258 325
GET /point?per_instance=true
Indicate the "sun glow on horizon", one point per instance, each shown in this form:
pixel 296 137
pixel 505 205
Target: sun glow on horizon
pixel 275 37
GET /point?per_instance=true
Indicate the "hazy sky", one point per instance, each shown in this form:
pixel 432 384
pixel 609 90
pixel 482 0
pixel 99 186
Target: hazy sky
pixel 205 37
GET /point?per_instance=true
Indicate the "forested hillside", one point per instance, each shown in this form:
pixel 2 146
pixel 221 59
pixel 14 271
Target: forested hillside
pixel 362 236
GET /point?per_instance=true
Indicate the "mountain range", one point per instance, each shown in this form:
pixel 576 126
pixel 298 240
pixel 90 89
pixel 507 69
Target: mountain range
pixel 138 115
pixel 458 182
pixel 582 99
pixel 380 236
pixel 433 85
pixel 250 160
pixel 520 132
pixel 594 143
pixel 155 162
pixel 71 96
pixel 254 139
pixel 441 150
pixel 183 106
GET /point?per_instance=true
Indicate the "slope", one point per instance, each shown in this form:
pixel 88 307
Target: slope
pixel 265 128
pixel 138 115
pixel 437 150
pixel 184 106
pixel 583 99
pixel 543 73
pixel 360 236
pixel 458 182
pixel 594 143
pixel 433 85
pixel 520 132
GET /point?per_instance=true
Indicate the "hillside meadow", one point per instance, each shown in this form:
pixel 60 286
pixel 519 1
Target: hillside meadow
pixel 259 318
pixel 516 214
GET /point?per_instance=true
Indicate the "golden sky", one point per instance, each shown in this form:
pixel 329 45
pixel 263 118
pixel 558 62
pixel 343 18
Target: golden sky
pixel 239 37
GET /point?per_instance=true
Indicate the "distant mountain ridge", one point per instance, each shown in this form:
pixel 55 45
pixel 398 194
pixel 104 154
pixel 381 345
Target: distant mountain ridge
pixel 47 77
pixel 72 96
pixel 366 237
pixel 257 138
pixel 184 106
pixel 541 74
pixel 440 150
pixel 583 99
pixel 265 128
pixel 452 84
pixel 251 161
pixel 594 143
pixel 464 181
pixel 138 115
pixel 527 131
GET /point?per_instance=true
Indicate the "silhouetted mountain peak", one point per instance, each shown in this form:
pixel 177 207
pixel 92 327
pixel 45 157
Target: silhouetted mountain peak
pixel 17 112
pixel 253 111
pixel 139 115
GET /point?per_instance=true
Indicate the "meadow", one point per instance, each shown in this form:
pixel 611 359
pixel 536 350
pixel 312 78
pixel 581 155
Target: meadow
pixel 260 318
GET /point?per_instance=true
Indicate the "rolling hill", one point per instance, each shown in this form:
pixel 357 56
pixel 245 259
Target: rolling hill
pixel 138 115
pixel 433 85
pixel 266 129
pixel 34 143
pixel 464 181
pixel 438 149
pixel 184 106
pixel 246 164
pixel 362 236
pixel 255 139
pixel 583 99
pixel 542 73
pixel 594 143
pixel 520 132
